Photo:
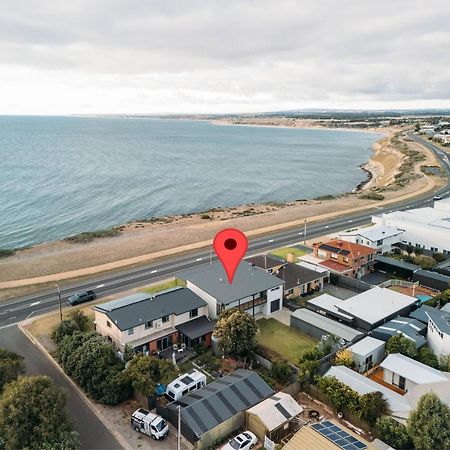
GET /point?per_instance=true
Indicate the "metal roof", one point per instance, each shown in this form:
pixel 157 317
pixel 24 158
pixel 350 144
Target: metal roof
pixel 294 275
pixel 363 385
pixel 396 263
pixel 129 312
pixel 265 261
pixel 433 275
pixel 406 326
pixel 326 324
pixel 376 304
pixel 248 280
pixel 366 346
pixel 204 409
pixel 440 318
pixel 276 410
pixel 196 327
pixel 411 369
pixel 374 233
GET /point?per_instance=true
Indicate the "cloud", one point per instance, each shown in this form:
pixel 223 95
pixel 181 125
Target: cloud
pixel 221 56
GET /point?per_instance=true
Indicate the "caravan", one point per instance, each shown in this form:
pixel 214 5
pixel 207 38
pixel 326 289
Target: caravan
pixel 185 383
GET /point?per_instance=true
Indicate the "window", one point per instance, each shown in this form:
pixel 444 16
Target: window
pixel 275 289
pixel 333 256
pixel 345 259
pixel 165 319
pixel 149 324
pixel 108 324
pixel 193 312
pixel 130 331
pixel 380 242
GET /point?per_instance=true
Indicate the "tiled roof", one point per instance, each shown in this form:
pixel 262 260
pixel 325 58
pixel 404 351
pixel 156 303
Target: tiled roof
pixel 346 248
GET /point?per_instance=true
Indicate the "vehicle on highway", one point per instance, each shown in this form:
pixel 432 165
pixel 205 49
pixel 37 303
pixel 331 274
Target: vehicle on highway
pixel 81 297
pixel 437 197
pixel 150 424
pixel 243 441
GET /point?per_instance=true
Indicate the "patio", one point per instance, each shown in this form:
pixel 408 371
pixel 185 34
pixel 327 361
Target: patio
pixel 181 354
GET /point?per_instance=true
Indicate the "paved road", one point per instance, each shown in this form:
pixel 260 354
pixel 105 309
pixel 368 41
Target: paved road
pixel 93 434
pixel 13 311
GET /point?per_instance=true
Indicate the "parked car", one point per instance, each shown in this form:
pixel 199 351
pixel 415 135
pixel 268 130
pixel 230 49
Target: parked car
pixel 243 441
pixel 150 424
pixel 437 197
pixel 81 297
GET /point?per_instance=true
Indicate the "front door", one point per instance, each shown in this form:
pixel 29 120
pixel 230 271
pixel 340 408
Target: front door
pixel 275 305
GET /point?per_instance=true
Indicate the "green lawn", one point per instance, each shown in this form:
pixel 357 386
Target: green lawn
pixel 163 286
pixel 286 341
pixel 282 252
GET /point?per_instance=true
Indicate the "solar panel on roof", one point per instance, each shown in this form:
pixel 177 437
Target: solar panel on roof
pixel 282 411
pixel 187 380
pixel 338 436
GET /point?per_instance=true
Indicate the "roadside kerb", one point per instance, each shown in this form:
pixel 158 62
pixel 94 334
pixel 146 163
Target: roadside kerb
pixel 85 398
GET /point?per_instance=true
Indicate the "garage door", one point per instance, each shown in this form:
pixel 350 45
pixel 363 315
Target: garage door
pixel 275 305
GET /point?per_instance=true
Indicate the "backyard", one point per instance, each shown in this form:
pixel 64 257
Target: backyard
pixel 276 339
pixel 283 252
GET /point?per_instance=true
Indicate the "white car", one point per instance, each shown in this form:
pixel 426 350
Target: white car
pixel 243 441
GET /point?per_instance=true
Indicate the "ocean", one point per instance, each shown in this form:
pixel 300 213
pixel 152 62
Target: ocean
pixel 64 175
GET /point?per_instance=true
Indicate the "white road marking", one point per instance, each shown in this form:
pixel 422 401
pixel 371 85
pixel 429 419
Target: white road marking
pixel 326 226
pixel 270 241
pixel 350 221
pixel 154 271
pixel 198 259
pixel 11 318
pixel 35 303
pixel 99 286
pixel 301 232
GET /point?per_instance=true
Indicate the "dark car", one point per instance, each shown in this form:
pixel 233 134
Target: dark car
pixel 81 297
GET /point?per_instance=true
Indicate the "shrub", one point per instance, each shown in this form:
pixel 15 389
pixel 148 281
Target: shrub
pixel 372 196
pixel 89 236
pixel 5 252
pixel 393 433
pixel 344 358
pixel 281 371
pixel 325 197
pixel 439 257
pixel 77 321
pixel 11 366
pixel 205 216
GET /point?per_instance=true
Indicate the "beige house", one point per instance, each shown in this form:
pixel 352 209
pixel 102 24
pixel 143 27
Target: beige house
pixel 152 323
pixel 274 417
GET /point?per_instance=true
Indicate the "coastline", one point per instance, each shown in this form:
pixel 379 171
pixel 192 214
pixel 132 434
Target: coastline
pixel 145 241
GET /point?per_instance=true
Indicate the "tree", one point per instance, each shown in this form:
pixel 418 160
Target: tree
pixel 344 358
pixel 393 433
pixel 281 371
pixel 11 366
pixel 428 424
pixel 308 370
pixel 401 344
pixel 33 416
pixel 145 372
pixel 371 406
pixel 91 361
pixel 236 333
pixel 426 356
pixel 77 321
pixel 338 393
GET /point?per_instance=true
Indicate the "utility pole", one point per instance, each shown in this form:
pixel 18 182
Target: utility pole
pixel 60 306
pixel 304 234
pixel 179 428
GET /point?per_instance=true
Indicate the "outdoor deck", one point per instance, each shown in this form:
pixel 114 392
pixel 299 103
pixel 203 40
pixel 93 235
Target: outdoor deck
pixel 181 356
pixel 377 376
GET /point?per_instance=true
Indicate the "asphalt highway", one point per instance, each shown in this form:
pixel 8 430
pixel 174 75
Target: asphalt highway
pixel 16 310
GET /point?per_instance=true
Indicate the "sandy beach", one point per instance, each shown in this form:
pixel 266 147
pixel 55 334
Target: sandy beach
pixel 142 242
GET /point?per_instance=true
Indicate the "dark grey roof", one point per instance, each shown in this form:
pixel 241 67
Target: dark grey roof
pixel 433 275
pixel 265 261
pixel 397 263
pixel 196 327
pixel 294 275
pixel 204 409
pixel 407 326
pixel 420 313
pixel 134 310
pixel 440 318
pixel 248 280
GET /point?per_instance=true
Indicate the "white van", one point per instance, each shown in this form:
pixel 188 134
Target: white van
pixel 185 383
pixel 150 424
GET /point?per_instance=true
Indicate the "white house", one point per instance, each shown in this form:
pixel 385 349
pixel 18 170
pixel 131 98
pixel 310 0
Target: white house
pixel 253 289
pixel 406 373
pixel 438 331
pixel 367 353
pixel 379 237
pixel 427 228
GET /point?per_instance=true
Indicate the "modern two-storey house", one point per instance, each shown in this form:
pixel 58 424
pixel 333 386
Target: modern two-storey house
pixel 152 323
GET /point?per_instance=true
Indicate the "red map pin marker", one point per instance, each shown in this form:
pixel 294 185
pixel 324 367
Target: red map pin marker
pixel 230 246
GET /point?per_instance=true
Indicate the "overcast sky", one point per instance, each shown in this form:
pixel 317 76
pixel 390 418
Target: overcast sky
pixel 144 56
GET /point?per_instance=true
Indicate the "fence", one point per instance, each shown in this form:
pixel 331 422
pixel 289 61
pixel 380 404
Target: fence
pixel 401 283
pixel 350 283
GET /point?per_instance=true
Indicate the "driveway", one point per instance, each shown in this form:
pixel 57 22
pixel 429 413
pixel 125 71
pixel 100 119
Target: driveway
pixel 93 434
